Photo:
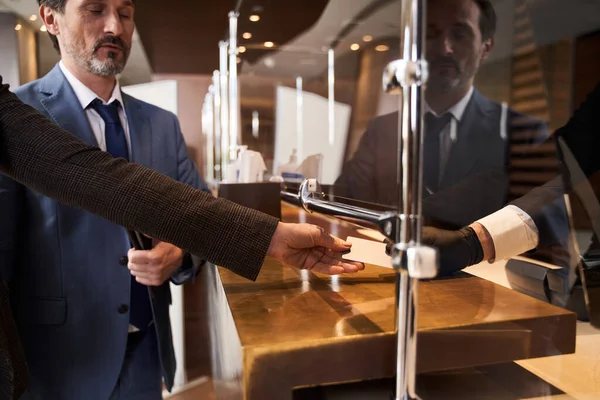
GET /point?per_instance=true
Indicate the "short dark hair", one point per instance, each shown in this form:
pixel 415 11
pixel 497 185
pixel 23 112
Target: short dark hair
pixel 487 19
pixel 56 5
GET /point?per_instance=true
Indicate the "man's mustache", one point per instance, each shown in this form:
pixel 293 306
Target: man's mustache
pixel 114 40
pixel 445 61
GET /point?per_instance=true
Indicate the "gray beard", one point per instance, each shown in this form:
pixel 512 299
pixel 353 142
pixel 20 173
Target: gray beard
pixel 89 62
pixel 110 67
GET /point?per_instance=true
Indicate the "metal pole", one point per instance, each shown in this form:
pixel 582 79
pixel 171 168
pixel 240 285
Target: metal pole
pixel 234 101
pixel 224 96
pixel 299 120
pixel 255 124
pixel 411 260
pixel 410 166
pixel 208 125
pixel 217 125
pixel 331 94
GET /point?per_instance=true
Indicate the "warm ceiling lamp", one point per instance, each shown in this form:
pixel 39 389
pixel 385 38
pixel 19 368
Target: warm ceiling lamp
pixel 247 35
pixel 255 18
pixel 382 47
pixel 238 60
pixel 367 38
pixel 33 17
pixel 43 28
pixel 269 44
pixel 18 27
pixel 242 49
pixel 354 46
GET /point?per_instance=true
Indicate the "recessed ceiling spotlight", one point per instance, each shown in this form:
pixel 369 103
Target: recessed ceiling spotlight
pixel 238 60
pixel 242 49
pixel 367 38
pixel 33 17
pixel 354 46
pixel 382 47
pixel 255 18
pixel 269 62
pixel 269 44
pixel 18 27
pixel 43 28
pixel 247 35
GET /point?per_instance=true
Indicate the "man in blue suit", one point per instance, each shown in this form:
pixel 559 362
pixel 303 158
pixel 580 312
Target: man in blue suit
pixel 92 313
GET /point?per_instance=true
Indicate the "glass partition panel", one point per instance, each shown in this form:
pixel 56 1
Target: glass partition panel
pixel 504 77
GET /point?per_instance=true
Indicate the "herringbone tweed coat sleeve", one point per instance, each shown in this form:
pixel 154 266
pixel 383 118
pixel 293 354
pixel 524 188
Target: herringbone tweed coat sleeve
pixel 44 157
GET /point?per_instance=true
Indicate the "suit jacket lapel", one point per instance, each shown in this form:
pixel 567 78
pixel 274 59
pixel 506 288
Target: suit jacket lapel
pixel 64 108
pixel 140 132
pixel 471 140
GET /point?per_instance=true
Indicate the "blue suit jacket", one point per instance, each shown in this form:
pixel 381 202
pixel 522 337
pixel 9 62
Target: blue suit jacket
pixel 67 284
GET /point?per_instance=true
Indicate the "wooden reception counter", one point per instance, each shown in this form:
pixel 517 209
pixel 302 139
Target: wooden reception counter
pixel 293 329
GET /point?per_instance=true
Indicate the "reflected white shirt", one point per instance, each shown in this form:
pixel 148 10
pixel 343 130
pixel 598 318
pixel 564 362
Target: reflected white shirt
pixel 512 230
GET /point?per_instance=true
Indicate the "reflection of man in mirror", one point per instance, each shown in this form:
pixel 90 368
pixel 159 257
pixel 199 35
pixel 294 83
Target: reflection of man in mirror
pixel 467 136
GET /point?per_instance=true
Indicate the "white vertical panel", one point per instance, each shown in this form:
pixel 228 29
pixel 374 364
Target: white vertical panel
pixel 315 132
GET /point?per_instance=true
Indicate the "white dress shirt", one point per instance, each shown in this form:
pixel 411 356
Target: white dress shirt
pixel 85 96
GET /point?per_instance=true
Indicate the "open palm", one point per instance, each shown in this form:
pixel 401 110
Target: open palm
pixel 310 247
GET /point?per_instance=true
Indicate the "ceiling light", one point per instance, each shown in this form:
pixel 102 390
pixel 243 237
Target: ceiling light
pixel 238 60
pixel 269 62
pixel 367 38
pixel 382 47
pixel 33 17
pixel 18 27
pixel 242 49
pixel 269 44
pixel 247 35
pixel 254 18
pixel 354 46
pixel 43 28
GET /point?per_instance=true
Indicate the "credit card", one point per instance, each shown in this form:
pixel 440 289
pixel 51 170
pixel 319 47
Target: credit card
pixel 368 252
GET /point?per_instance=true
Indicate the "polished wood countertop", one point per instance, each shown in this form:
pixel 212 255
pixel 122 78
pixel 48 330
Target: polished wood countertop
pixel 295 328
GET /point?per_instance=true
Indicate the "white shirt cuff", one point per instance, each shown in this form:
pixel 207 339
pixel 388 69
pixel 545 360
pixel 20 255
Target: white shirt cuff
pixel 512 230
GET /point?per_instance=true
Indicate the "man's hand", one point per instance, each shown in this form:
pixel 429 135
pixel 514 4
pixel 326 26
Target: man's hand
pixel 153 267
pixel 457 249
pixel 307 246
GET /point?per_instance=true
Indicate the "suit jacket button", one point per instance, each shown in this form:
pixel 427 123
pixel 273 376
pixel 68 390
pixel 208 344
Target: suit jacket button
pixel 123 309
pixel 123 260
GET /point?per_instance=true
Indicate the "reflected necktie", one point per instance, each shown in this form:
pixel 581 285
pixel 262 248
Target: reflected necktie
pixel 140 311
pixel 431 149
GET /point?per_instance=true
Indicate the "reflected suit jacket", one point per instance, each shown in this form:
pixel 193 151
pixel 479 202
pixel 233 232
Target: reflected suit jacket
pixel 475 180
pixel 578 144
pixel 50 160
pixel 64 266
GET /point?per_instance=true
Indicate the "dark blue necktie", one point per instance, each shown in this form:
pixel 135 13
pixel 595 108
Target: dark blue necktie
pixel 431 150
pixel 140 312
